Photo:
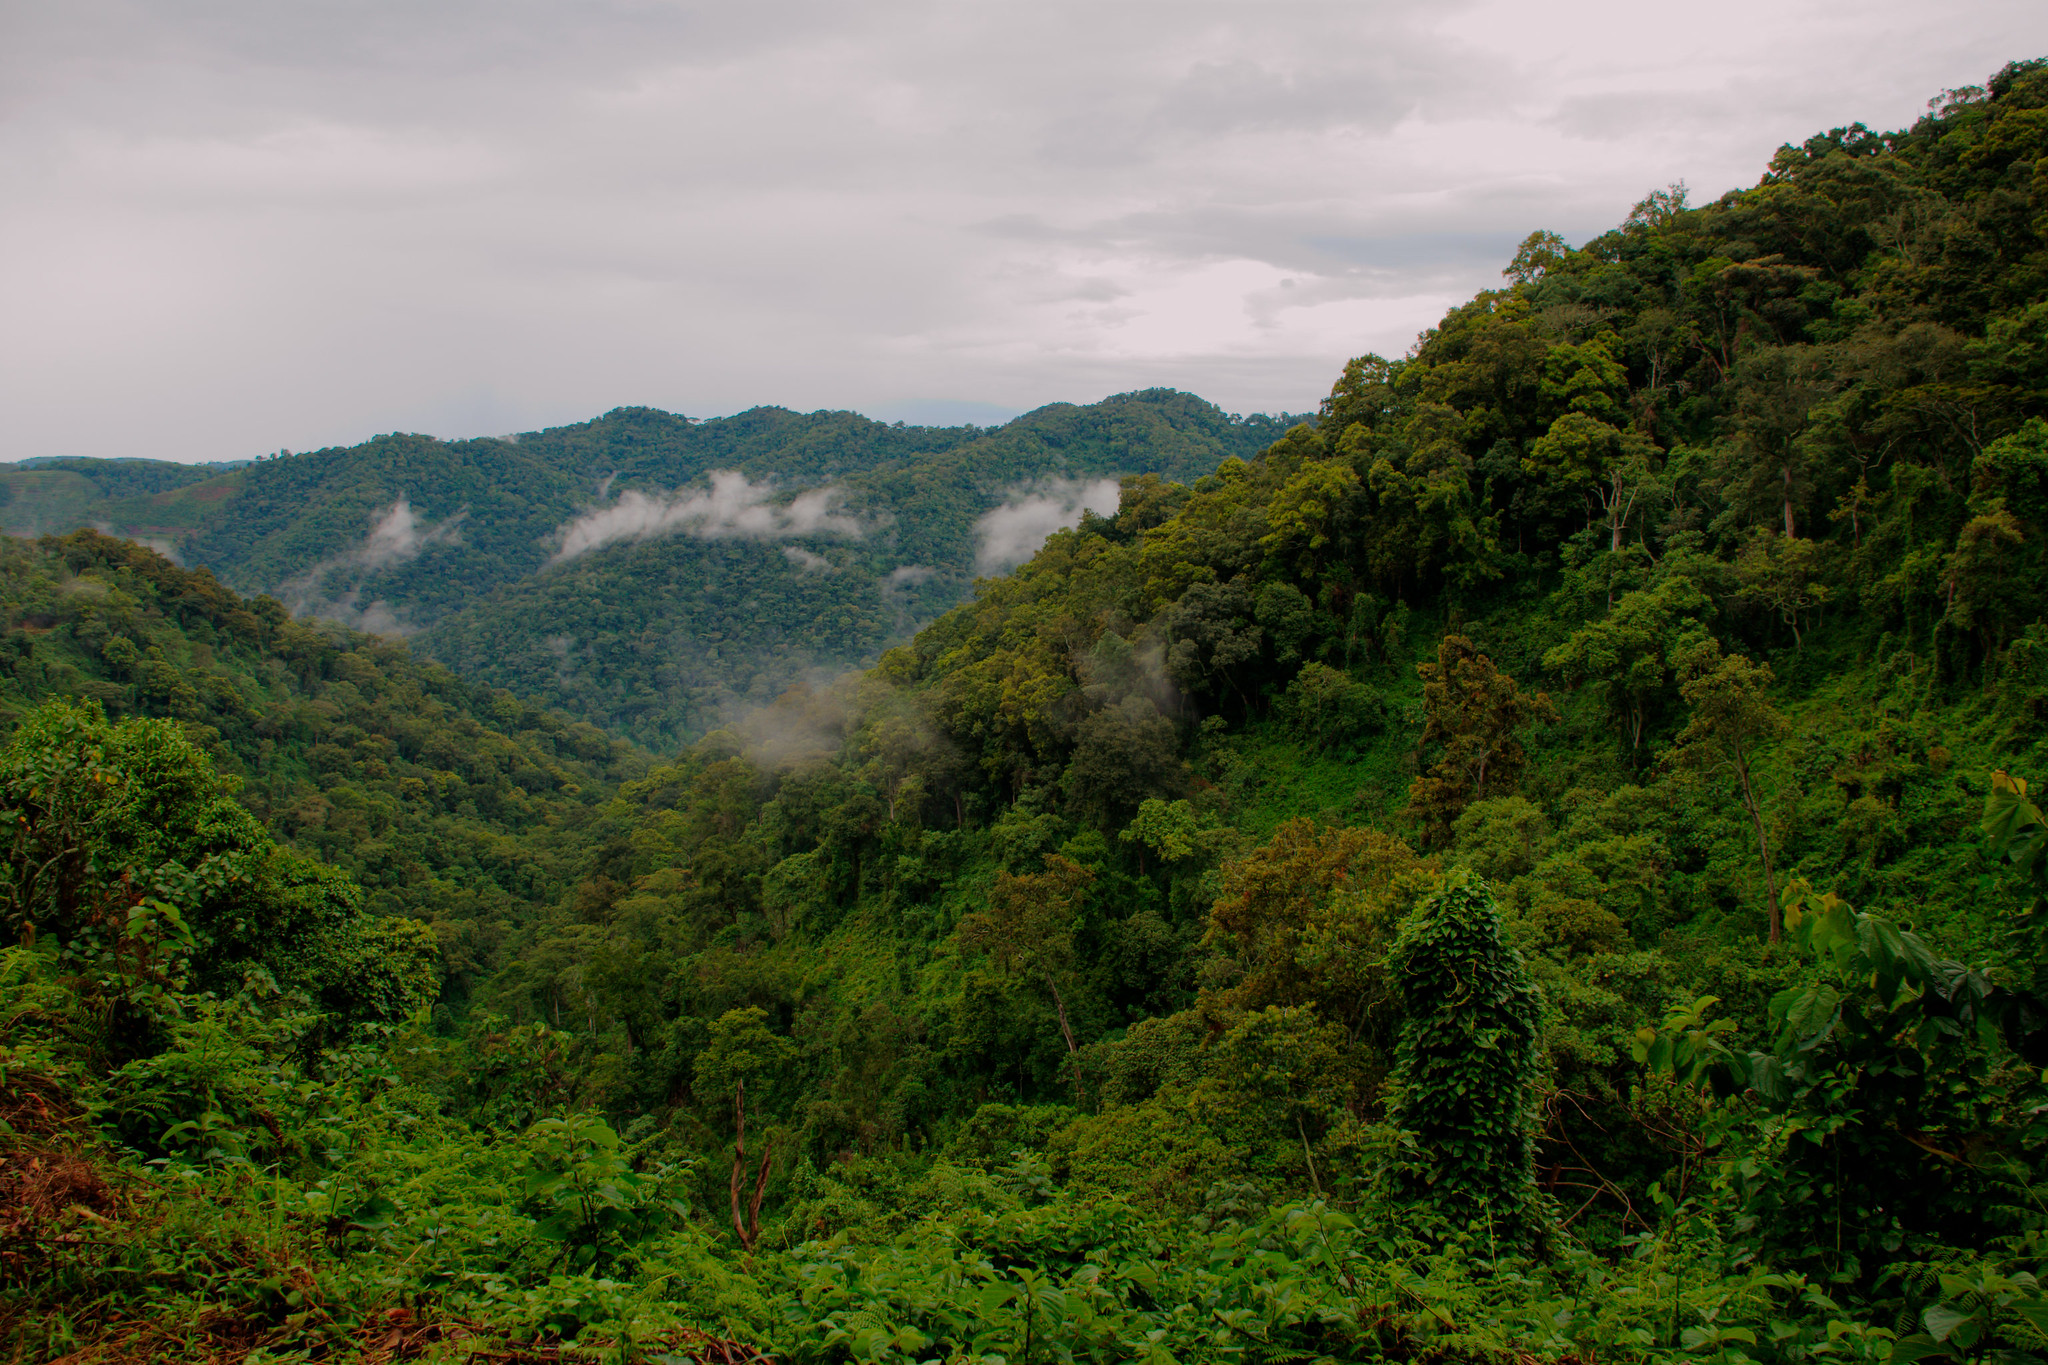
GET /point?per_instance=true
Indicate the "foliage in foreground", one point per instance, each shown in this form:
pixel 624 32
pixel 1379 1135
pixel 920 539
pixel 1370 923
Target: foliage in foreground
pixel 1368 903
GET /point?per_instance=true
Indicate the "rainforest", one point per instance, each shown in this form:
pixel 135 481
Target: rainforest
pixel 1542 860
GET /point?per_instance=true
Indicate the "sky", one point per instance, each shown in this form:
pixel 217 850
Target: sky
pixel 231 227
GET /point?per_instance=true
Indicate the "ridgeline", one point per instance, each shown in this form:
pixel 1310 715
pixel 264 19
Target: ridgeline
pixel 1535 863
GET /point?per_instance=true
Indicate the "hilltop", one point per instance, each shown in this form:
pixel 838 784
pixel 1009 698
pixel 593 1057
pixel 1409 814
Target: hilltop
pixel 1543 862
pixel 594 567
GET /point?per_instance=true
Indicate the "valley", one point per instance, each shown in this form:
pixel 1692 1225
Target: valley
pixel 1541 860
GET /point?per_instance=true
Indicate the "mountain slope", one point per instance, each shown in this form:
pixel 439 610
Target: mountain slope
pixel 670 611
pixel 443 800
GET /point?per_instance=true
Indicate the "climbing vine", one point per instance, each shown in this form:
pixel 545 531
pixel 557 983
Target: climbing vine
pixel 1464 1072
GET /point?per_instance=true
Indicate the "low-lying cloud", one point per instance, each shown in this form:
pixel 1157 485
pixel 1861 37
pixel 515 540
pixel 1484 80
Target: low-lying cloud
pixel 398 534
pixel 1014 532
pixel 734 507
pixel 806 560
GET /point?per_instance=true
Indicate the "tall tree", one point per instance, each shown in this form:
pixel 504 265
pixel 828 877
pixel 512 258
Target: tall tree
pixel 1476 713
pixel 1463 1087
pixel 1629 653
pixel 1732 719
pixel 1027 931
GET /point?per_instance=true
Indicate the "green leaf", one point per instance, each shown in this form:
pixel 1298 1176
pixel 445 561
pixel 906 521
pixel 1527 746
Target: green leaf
pixel 1810 1013
pixel 1942 1322
pixel 1906 1350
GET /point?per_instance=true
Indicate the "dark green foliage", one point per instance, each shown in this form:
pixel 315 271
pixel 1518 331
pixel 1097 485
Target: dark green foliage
pixel 132 867
pixel 1890 1056
pixel 1087 996
pixel 659 639
pixel 1462 1093
pixel 443 801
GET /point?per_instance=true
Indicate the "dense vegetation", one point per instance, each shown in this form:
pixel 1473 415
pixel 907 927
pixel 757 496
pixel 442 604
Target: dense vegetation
pixel 443 802
pixel 653 639
pixel 1535 864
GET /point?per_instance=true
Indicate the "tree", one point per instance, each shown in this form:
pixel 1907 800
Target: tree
pixel 742 1046
pixel 1732 719
pixel 1325 707
pixel 1123 754
pixel 1612 467
pixel 1306 918
pixel 1212 636
pixel 1169 829
pixel 1306 511
pixel 1540 253
pixel 1775 389
pixel 1027 931
pixel 1462 1093
pixel 1475 713
pixel 128 856
pixel 1629 653
pixel 1781 575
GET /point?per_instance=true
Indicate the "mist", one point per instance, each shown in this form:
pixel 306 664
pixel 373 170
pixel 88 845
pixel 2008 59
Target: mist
pixel 395 536
pixel 1012 533
pixel 734 507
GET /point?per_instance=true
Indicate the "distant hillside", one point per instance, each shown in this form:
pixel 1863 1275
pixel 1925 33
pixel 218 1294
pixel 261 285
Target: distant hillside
pixel 444 801
pixel 600 567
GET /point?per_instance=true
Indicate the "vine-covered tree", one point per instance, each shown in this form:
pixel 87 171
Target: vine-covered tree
pixel 1463 1090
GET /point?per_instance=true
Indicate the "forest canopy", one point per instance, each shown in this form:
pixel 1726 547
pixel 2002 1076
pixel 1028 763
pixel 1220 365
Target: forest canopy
pixel 1540 861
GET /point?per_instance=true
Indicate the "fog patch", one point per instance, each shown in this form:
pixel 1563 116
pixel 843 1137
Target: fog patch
pixel 398 534
pixel 374 618
pixel 808 723
pixel 805 560
pixel 1013 533
pixel 908 576
pixel 734 507
pixel 161 544
pixel 560 646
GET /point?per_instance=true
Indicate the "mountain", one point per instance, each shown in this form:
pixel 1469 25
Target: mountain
pixel 444 801
pixel 643 570
pixel 1543 863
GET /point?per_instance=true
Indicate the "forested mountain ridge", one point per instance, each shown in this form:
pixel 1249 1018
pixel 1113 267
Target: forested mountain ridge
pixel 443 801
pixel 1536 864
pixel 661 626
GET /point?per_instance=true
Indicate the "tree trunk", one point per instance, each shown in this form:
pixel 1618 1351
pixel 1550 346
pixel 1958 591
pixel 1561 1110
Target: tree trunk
pixel 1763 843
pixel 748 1230
pixel 1067 1032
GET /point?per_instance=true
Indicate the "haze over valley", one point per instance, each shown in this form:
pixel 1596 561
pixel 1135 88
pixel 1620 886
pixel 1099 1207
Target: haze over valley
pixel 656 575
pixel 1529 849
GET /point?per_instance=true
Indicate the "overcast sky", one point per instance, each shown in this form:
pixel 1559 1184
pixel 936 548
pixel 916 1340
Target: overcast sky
pixel 231 226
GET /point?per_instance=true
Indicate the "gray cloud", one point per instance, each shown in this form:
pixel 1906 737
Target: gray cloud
pixel 733 508
pixel 1012 533
pixel 268 225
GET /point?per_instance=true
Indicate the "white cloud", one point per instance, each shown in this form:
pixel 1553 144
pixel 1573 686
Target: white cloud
pixel 1014 532
pixel 396 535
pixel 806 560
pixel 734 507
